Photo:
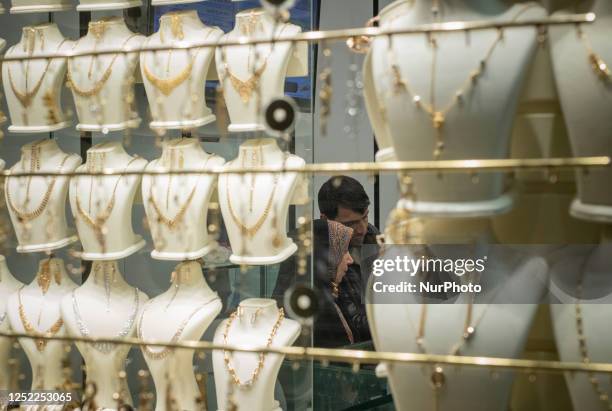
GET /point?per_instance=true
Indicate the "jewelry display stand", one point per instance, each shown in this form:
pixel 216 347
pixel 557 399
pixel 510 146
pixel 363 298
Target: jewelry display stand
pixel 176 206
pixel 255 205
pixel 255 74
pixel 39 6
pixel 497 330
pixel 173 79
pixel 102 205
pixel 103 85
pixel 251 377
pixel 34 309
pixel 586 100
pixel 33 87
pixel 37 205
pixel 477 84
pixel 8 285
pixel 182 313
pixel 104 306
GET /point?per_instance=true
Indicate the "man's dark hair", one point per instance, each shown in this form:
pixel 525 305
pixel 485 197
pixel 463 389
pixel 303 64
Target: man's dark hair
pixel 342 191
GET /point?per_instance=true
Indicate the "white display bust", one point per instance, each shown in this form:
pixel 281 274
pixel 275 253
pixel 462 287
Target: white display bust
pixel 37 205
pixel 501 328
pixel 102 205
pixel 260 70
pixel 39 6
pixel 104 306
pixel 36 309
pixel 586 101
pixel 101 84
pixel 180 235
pixel 182 313
pixel 593 264
pixel 174 79
pixel 478 123
pixel 8 285
pixel 255 205
pixel 33 88
pixel 252 329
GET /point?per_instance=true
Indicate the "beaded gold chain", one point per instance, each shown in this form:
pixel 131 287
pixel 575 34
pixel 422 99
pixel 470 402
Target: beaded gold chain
pixel 262 356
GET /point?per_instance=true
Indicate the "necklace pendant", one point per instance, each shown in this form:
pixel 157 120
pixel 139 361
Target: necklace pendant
pixel 438 379
pixel 40 345
pixel 438 120
pixel 469 332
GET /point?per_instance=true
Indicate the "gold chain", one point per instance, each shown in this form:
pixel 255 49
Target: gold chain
pixel 174 222
pixel 99 83
pixel 97 223
pixel 599 66
pixel 262 356
pixel 252 230
pixel 246 87
pixel 23 215
pixel 45 276
pixel 30 329
pixel 438 113
pixel 582 343
pixel 26 98
pixel 159 355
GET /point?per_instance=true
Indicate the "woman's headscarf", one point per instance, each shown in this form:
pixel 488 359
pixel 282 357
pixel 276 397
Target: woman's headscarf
pixel 339 239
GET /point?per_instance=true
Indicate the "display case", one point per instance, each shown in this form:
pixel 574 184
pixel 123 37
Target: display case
pixel 215 205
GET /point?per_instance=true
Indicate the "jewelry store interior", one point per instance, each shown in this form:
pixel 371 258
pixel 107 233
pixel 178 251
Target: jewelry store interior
pixel 147 261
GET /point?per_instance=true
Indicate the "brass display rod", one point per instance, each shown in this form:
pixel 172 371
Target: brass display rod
pixel 349 356
pixel 457 166
pixel 334 35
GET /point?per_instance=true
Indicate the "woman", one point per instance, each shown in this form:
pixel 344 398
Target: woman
pixel 331 328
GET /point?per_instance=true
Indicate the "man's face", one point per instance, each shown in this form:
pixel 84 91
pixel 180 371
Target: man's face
pixel 358 222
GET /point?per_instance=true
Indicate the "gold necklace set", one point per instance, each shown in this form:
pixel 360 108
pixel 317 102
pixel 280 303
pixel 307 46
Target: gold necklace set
pixel 46 275
pixel 438 113
pixel 98 84
pixel 174 222
pixel 26 97
pixel 30 329
pixel 23 214
pixel 251 230
pixel 262 356
pixel 161 354
pixel 98 222
pixel 245 88
pixel 604 398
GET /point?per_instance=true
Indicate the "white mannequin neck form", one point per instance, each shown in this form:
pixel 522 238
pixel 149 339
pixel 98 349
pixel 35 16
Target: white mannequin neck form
pixel 37 204
pixel 33 88
pixel 8 285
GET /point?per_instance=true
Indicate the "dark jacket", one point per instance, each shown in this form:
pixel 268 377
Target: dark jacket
pixel 328 329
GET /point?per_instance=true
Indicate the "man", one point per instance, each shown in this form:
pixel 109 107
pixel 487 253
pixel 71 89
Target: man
pixel 344 200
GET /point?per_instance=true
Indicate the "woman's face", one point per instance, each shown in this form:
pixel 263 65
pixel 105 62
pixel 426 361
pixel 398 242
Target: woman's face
pixel 343 266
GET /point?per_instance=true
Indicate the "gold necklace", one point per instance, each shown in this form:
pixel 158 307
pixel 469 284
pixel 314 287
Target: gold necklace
pixel 246 87
pixel 30 329
pixel 252 230
pixel 158 355
pixel 438 113
pixel 25 98
pixel 83 92
pixel 97 223
pixel 262 356
pixel 25 216
pixel 173 222
pixel 437 377
pixel 45 276
pixel 599 66
pixel 604 398
pixel 256 160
